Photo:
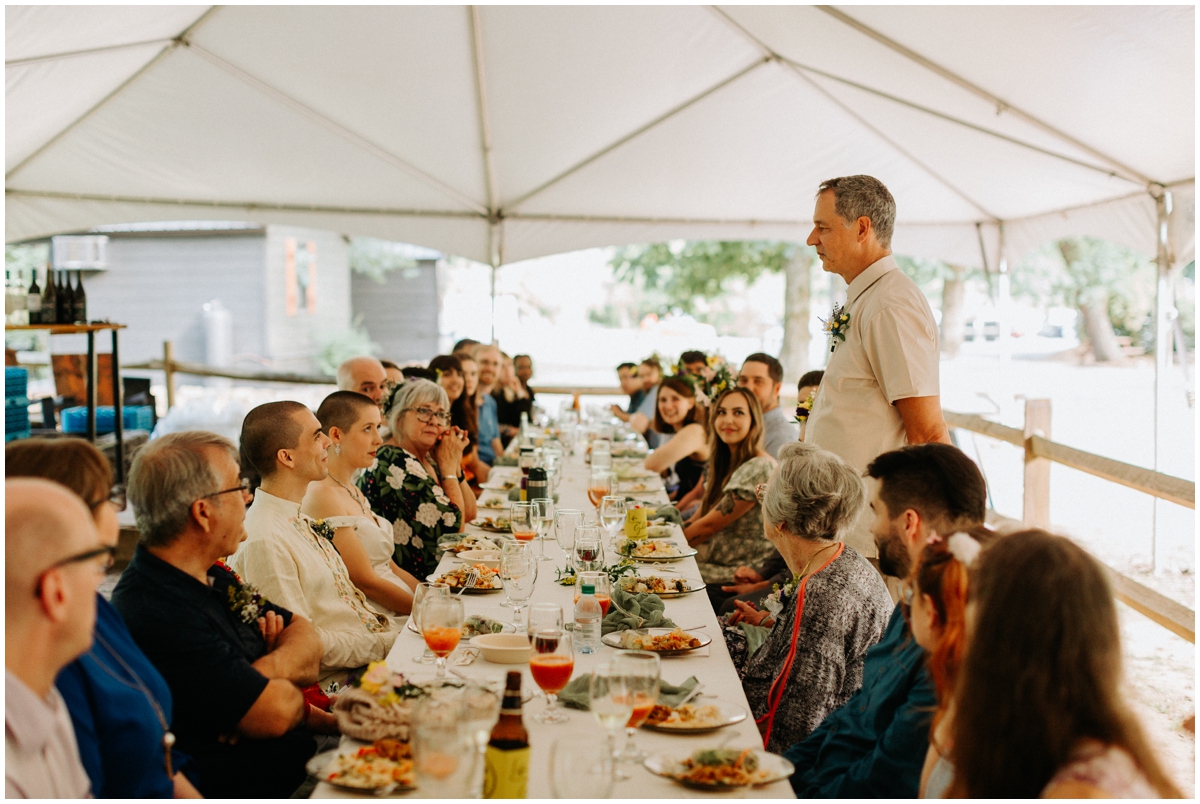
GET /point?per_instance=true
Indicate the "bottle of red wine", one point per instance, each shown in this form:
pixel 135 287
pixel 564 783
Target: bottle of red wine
pixel 66 300
pixel 50 299
pixel 33 301
pixel 80 299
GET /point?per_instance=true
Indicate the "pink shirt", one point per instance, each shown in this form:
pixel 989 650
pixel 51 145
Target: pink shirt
pixel 1106 768
pixel 41 759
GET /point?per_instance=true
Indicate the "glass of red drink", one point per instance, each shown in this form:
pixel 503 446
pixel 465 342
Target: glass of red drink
pixel 551 663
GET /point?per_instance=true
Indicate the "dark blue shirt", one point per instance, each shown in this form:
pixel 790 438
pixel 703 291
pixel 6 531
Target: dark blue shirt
pixel 489 428
pixel 206 651
pixel 875 745
pixel 120 736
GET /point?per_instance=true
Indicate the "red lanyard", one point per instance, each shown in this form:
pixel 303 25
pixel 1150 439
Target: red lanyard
pixel 774 698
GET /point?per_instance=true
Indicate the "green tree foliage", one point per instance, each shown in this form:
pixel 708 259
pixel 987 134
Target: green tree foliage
pixel 375 258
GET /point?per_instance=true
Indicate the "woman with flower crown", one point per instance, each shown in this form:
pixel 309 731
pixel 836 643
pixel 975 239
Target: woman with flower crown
pixel 416 480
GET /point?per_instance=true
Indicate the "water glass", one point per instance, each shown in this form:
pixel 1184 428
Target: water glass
pixel 518 574
pixel 612 515
pixel 544 617
pixel 481 710
pixel 611 704
pixel 566 521
pixel 580 768
pixel 601 454
pixel 543 520
pixel 423 590
pixel 642 670
pixel 444 754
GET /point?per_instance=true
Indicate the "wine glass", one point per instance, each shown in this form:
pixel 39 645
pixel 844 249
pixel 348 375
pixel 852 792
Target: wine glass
pixel 441 625
pixel 602 587
pixel 612 515
pixel 520 521
pixel 551 664
pixel 518 574
pixel 543 519
pixel 481 708
pixel 527 461
pixel 589 549
pixel 642 671
pixel 611 704
pixel 566 521
pixel 443 751
pixel 600 485
pixel 508 547
pixel 425 589
pixel 544 617
pixel 579 768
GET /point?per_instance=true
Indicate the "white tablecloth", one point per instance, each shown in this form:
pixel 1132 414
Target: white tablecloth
pixel 711 666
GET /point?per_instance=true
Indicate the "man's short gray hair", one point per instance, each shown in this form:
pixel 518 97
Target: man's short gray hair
pixel 864 197
pixel 413 394
pixel 167 476
pixel 345 371
pixel 814 493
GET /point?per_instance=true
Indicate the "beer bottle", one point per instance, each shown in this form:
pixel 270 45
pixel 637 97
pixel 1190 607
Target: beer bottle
pixel 506 763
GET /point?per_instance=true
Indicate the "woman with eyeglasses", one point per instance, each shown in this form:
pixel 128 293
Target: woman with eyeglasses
pixel 120 705
pixel 416 481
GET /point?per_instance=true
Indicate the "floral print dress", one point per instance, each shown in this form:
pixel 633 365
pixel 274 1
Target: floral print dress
pixel 401 490
pixel 742 541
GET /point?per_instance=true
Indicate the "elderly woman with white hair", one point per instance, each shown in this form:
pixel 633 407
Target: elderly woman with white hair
pixel 835 607
pixel 416 481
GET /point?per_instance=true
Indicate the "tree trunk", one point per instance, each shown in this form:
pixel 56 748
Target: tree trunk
pixel 797 296
pixel 954 291
pixel 1099 330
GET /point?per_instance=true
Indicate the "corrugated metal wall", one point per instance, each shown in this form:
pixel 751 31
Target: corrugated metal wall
pixel 401 314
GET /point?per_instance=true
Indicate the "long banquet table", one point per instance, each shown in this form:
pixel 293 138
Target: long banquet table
pixel 710 665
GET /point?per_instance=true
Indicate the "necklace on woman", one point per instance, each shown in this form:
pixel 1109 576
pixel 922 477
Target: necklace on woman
pixel 168 739
pixel 355 495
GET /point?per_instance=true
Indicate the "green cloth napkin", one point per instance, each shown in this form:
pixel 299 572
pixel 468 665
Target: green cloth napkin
pixel 505 460
pixel 650 608
pixel 575 694
pixel 667 512
pixel 756 635
pixel 514 495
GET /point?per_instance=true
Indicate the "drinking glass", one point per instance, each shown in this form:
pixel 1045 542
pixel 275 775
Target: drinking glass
pixel 481 709
pixel 642 670
pixel 543 520
pixel 611 704
pixel 566 521
pixel 600 485
pixel 520 521
pixel 509 546
pixel 579 768
pixel 441 625
pixel 601 454
pixel 612 515
pixel 603 588
pixel 444 754
pixel 544 617
pixel 589 549
pixel 518 574
pixel 424 590
pixel 527 460
pixel 551 664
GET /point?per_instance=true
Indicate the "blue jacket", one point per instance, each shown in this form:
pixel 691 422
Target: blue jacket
pixel 875 745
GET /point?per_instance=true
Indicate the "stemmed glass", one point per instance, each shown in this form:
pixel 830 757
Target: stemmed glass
pixel 481 709
pixel 602 585
pixel 600 485
pixel 520 521
pixel 518 574
pixel 441 625
pixel 425 589
pixel 611 704
pixel 443 754
pixel 543 519
pixel 551 665
pixel 507 548
pixel 566 521
pixel 642 670
pixel 612 515
pixel 579 768
pixel 544 617
pixel 589 549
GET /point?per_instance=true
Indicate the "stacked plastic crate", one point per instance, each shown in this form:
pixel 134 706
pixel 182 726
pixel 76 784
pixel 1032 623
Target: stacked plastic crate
pixel 16 403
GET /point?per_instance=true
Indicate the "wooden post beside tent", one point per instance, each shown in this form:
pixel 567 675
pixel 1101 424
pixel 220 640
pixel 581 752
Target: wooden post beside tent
pixel 169 370
pixel 1037 469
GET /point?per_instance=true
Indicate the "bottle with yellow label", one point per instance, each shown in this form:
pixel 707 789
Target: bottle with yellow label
pixel 506 762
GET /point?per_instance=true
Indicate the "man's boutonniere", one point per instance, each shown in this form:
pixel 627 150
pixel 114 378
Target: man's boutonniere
pixel 804 409
pixel 322 529
pixel 836 326
pixel 245 601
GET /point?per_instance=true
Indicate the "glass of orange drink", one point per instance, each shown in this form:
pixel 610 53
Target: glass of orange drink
pixel 601 483
pixel 441 625
pixel 521 521
pixel 551 663
pixel 642 670
pixel 602 584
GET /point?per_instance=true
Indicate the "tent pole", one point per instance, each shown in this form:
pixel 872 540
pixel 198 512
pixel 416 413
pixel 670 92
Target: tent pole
pixel 1003 301
pixel 1164 311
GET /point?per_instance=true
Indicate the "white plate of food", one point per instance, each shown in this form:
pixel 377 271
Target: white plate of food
pixel 495 501
pixel 499 524
pixel 660 585
pixel 655 550
pixel 381 768
pixel 640 485
pixel 693 718
pixel 472 541
pixel 722 768
pixel 502 483
pixel 487 580
pixel 474 626
pixel 663 641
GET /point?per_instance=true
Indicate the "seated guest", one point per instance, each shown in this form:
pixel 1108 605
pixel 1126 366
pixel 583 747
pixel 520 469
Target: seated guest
pixel 415 481
pixel 290 558
pixel 394 375
pixel 53 562
pixel 464 345
pixel 119 704
pixel 1038 708
pixel 632 385
pixel 234 661
pixel 523 368
pixel 363 538
pixel 874 745
pixel 763 375
pixel 650 375
pixel 418 373
pixel 463 412
pixel 364 375
pixel 727 530
pixel 512 399
pixel 834 608
pixel 695 362
pixel 679 418
pixel 488 358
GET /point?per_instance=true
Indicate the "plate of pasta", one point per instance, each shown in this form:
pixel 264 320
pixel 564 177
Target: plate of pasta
pixel 658 585
pixel 663 641
pixel 722 768
pixel 486 579
pixel 693 718
pixel 654 550
pixel 383 767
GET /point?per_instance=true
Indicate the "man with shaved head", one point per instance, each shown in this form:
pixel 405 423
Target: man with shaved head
pixel 365 375
pixel 53 562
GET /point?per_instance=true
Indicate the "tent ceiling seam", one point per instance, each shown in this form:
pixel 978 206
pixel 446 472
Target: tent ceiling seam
pixel 641 130
pixel 837 102
pixel 1001 104
pixel 485 129
pixel 69 54
pixel 350 136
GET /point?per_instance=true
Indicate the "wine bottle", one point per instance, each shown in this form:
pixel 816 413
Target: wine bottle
pixel 66 300
pixel 9 298
pixel 33 302
pixel 20 294
pixel 506 762
pixel 50 299
pixel 80 299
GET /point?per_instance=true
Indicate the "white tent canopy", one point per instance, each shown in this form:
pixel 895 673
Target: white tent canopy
pixel 503 133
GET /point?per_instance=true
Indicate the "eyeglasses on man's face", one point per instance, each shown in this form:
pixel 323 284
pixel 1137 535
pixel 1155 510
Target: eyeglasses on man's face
pixel 429 416
pixel 116 496
pixel 243 487
pixel 109 552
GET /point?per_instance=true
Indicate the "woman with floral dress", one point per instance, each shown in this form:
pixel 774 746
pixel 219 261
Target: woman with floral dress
pixel 415 482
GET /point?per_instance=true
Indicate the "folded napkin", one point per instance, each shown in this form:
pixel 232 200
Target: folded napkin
pixel 644 611
pixel 575 694
pixel 756 635
pixel 514 495
pixel 505 460
pixel 667 512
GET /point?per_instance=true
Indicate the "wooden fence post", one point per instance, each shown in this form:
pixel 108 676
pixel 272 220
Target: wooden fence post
pixel 169 370
pixel 1037 470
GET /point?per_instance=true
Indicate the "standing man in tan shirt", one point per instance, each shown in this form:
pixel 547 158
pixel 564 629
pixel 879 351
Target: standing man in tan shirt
pixel 880 391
